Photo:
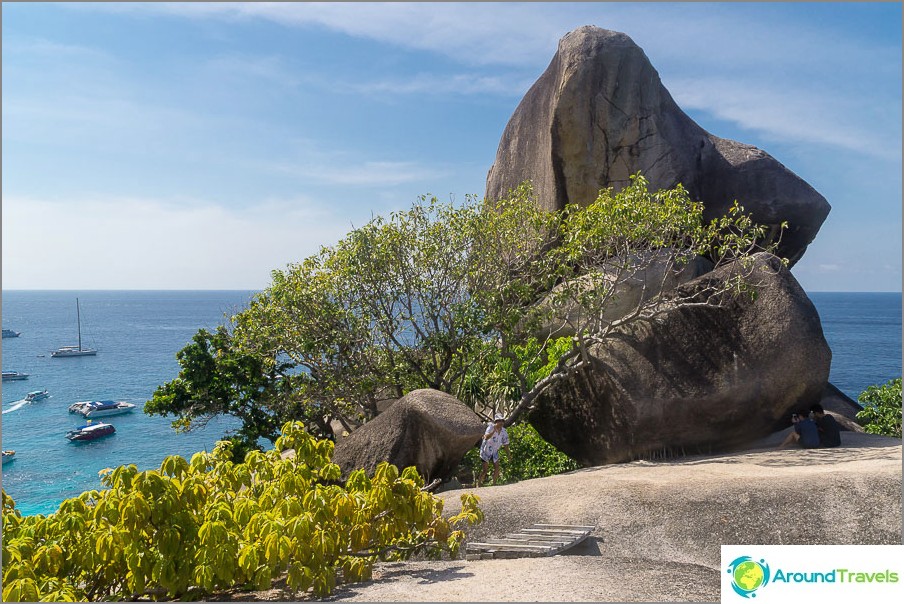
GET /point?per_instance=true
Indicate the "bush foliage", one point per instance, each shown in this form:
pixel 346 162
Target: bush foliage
pixel 882 409
pixel 530 457
pixel 193 528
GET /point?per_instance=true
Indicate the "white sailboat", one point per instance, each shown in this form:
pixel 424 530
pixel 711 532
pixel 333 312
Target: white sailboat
pixel 75 351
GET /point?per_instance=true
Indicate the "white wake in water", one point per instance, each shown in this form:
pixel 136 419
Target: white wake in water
pixel 15 406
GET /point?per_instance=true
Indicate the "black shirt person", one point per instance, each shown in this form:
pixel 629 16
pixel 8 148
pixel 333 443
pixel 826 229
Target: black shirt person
pixel 829 432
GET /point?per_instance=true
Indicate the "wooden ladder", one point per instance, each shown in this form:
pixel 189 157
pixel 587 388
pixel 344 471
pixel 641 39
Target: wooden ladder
pixel 536 541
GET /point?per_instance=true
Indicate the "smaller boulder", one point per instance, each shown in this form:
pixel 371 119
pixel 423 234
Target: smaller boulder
pixel 846 424
pixel 427 429
pixel 837 402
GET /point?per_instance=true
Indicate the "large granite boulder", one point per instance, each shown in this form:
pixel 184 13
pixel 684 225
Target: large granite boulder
pixel 428 429
pixel 600 113
pixel 697 378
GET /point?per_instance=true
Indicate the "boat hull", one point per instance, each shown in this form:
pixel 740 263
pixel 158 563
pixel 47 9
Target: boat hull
pixel 73 353
pixel 107 412
pixel 85 433
pixel 14 375
pixel 94 409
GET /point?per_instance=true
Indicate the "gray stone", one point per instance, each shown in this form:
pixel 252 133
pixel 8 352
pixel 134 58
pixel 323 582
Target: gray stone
pixel 600 113
pixel 838 403
pixel 845 424
pixel 697 378
pixel 428 429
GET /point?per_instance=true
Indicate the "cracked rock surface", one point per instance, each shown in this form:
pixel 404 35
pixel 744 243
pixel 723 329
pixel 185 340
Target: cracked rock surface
pixel 600 113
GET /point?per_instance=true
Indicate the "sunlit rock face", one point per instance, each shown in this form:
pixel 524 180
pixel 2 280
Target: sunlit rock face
pixel 696 378
pixel 600 113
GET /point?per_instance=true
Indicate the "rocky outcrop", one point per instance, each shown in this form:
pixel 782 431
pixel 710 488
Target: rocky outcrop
pixel 428 429
pixel 600 113
pixel 699 377
pixel 658 526
pixel 647 514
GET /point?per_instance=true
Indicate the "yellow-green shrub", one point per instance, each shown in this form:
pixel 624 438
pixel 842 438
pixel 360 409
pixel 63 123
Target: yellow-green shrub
pixel 198 527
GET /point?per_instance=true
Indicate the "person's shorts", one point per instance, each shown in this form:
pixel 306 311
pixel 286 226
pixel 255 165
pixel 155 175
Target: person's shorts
pixel 487 456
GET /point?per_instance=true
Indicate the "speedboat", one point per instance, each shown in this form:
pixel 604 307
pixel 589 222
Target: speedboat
pixel 14 375
pixel 90 432
pixel 9 333
pixel 37 395
pixel 91 409
pixel 8 456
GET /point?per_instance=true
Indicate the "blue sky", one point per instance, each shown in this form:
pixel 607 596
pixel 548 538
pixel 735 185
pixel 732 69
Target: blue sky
pixel 202 145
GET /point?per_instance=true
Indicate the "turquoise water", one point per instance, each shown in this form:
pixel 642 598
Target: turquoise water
pixel 137 334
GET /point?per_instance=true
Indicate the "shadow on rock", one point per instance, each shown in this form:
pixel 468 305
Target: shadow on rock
pixel 400 571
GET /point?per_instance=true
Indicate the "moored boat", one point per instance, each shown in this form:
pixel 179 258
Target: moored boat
pixel 91 409
pixel 14 375
pixel 90 432
pixel 8 456
pixel 37 395
pixel 75 351
pixel 9 333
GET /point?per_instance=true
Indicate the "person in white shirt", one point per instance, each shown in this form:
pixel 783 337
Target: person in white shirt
pixel 494 439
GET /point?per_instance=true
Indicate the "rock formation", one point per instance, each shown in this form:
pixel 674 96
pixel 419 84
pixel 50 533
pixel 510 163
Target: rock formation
pixel 837 402
pixel 600 113
pixel 428 429
pixel 696 378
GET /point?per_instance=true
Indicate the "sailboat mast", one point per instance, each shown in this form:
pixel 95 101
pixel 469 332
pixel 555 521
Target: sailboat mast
pixel 78 318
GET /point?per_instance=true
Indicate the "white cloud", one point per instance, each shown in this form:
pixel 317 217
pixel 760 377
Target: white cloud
pixel 439 84
pixel 791 81
pixel 479 33
pixel 153 244
pixel 699 48
pixel 42 47
pixel 526 34
pixel 803 115
pixel 367 174
pixel 269 69
pixel 312 163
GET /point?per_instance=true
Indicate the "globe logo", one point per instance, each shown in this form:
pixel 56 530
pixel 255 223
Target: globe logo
pixel 748 575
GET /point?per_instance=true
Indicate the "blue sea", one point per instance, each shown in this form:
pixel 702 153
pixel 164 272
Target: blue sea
pixel 138 333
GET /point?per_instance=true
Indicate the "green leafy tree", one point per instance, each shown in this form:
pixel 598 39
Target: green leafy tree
pixel 881 412
pixel 489 302
pixel 553 285
pixel 198 527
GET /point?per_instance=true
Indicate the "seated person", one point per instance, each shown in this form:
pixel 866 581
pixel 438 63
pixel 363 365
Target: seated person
pixel 829 431
pixel 805 432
